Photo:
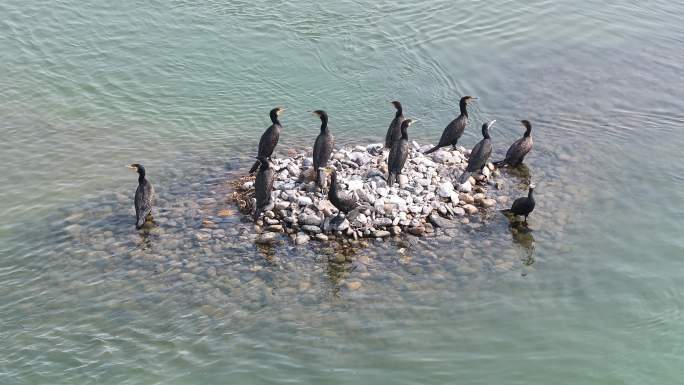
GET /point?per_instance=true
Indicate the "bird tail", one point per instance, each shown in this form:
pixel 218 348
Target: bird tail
pixel 140 222
pixel 257 211
pixel 254 167
pixel 433 149
pixel 464 177
pixel 318 178
pixel 390 178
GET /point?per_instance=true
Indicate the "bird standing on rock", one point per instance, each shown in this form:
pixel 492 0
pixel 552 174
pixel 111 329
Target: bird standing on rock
pixel 398 154
pixel 323 146
pixel 394 130
pixel 479 155
pixel 343 203
pixel 516 153
pixel 453 131
pixel 269 139
pixel 144 195
pixel 263 185
pixel 523 206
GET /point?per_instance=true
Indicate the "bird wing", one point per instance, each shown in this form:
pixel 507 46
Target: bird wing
pixel 479 155
pixel 322 150
pixel 518 149
pixel 453 131
pixel 403 155
pixel 263 185
pixel 269 140
pixel 519 205
pixel 144 195
pixel 394 131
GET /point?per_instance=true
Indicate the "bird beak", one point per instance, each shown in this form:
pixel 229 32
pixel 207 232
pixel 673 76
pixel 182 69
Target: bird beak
pixel 132 167
pixel 532 186
pixel 490 124
pixel 281 110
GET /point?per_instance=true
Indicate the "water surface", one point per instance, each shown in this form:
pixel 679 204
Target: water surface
pixel 592 294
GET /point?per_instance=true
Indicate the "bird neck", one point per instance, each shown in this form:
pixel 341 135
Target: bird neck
pixel 141 175
pixel 399 112
pixel 485 133
pixel 463 107
pixel 530 194
pixel 324 124
pixel 274 117
pixel 404 133
pixel 528 131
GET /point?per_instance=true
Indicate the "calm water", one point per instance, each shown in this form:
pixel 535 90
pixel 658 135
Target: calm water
pixel 592 295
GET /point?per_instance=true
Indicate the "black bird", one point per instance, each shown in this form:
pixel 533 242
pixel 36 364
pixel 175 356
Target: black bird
pixel 453 131
pixel 269 139
pixel 343 203
pixel 394 130
pixel 263 185
pixel 480 153
pixel 523 206
pixel 398 154
pixel 323 146
pixel 516 153
pixel 144 195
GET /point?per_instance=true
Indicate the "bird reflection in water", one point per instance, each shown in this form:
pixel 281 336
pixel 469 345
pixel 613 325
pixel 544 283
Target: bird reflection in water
pixel 523 237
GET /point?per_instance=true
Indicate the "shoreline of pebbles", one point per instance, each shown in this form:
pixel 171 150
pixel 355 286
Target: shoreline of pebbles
pixel 426 195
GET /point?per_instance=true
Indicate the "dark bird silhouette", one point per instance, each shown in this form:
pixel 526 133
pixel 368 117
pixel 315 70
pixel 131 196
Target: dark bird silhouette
pixel 398 154
pixel 523 206
pixel 144 195
pixel 453 131
pixel 323 146
pixel 516 153
pixel 263 185
pixel 394 129
pixel 343 203
pixel 269 139
pixel 480 153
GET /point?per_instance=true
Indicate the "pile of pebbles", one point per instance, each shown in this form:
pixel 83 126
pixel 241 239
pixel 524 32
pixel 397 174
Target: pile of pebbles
pixel 425 196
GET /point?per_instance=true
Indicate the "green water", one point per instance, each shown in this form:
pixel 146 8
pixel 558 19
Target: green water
pixel 592 295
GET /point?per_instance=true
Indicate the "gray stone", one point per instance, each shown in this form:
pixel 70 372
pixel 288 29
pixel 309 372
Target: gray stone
pixel 311 229
pixel 267 238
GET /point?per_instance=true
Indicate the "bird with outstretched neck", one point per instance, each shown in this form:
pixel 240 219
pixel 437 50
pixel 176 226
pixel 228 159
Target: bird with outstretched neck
pixel 454 130
pixel 521 147
pixel 144 196
pixel 524 205
pixel 479 155
pixel 398 154
pixel 269 139
pixel 263 185
pixel 394 129
pixel 323 146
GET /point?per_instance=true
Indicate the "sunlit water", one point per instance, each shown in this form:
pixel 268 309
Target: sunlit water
pixel 592 294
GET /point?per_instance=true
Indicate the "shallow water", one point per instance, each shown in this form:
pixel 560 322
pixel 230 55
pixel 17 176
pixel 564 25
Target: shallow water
pixel 592 294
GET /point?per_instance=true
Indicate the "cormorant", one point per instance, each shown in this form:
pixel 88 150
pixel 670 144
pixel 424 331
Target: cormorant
pixel 516 153
pixel 323 146
pixel 394 130
pixel 480 153
pixel 144 195
pixel 525 205
pixel 398 154
pixel 453 131
pixel 263 185
pixel 269 139
pixel 343 203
